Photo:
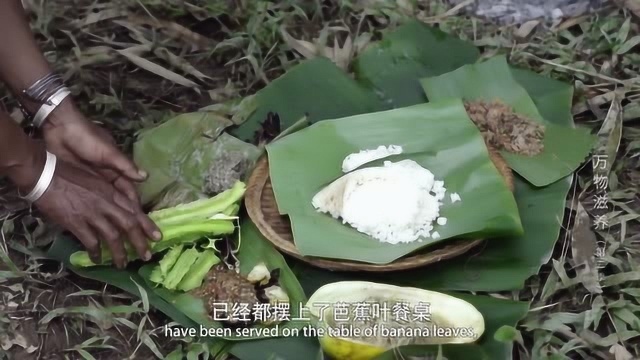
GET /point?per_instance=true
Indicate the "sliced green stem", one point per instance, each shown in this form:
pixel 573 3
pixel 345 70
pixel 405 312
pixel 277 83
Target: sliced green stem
pixel 199 209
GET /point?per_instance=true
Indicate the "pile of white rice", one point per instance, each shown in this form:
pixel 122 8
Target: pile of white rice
pixel 355 160
pixel 394 203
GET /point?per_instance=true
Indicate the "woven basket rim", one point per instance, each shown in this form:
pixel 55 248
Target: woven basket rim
pixel 258 184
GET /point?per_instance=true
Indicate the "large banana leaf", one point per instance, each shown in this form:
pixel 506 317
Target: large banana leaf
pixel 514 259
pixel 565 148
pixel 343 97
pixel 439 136
pixel 126 279
pixel 395 65
pixel 253 250
pixel 503 264
pixel 182 153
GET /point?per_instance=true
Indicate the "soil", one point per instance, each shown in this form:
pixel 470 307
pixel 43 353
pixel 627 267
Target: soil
pixel 28 303
pixel 504 129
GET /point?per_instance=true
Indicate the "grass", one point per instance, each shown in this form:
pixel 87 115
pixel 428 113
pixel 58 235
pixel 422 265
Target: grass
pixel 134 63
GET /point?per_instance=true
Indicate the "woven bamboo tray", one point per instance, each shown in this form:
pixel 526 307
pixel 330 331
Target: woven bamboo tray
pixel 262 209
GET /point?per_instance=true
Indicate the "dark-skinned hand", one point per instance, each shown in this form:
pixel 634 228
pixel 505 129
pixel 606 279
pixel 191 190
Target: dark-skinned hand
pixel 70 136
pixel 94 211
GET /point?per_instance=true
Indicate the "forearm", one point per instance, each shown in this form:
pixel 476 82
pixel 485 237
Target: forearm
pixel 21 158
pixel 21 60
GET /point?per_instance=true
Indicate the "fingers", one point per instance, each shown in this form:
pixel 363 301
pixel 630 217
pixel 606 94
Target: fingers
pixel 90 242
pixel 128 189
pixel 111 236
pixel 128 222
pixel 117 161
pixel 149 228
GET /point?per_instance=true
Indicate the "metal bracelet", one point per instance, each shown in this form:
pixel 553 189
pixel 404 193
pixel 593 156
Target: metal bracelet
pixel 51 104
pixel 45 179
pixel 44 88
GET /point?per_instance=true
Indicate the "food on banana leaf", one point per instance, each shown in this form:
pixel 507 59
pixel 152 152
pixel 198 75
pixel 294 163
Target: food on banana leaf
pixel 181 267
pixel 355 160
pixel 361 320
pixel 394 203
pixel 183 224
pixel 183 270
pixel 195 276
pixel 504 129
pixel 259 274
pixel 237 301
pixel 166 264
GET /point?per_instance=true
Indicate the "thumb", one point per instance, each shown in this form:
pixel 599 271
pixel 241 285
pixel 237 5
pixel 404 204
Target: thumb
pixel 117 161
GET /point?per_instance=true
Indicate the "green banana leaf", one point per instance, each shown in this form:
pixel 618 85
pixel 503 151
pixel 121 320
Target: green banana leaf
pixel 253 250
pixel 565 148
pixel 343 96
pixel 127 279
pixel 439 136
pixel 505 263
pixel 394 65
pixel 181 154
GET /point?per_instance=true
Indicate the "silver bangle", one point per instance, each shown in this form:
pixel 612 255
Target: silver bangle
pixel 45 179
pixel 52 103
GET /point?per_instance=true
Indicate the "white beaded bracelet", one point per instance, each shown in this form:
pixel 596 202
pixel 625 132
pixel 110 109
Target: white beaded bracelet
pixel 45 179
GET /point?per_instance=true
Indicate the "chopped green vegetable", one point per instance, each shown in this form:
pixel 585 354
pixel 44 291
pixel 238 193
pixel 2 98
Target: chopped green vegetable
pixel 171 236
pixel 182 240
pixel 156 275
pixel 232 210
pixel 196 274
pixel 169 259
pixel 181 267
pixel 206 227
pixel 82 259
pixel 199 209
pixel 183 224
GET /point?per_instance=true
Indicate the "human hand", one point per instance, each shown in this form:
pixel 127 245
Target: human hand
pixel 93 210
pixel 80 142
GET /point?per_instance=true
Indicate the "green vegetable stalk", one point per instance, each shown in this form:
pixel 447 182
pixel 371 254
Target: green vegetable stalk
pixel 182 224
pixel 181 267
pixel 171 236
pixel 196 274
pixel 166 264
pixel 200 209
pixel 232 210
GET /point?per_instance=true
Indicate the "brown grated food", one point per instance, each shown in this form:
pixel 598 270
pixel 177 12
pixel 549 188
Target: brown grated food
pixel 225 286
pixel 503 129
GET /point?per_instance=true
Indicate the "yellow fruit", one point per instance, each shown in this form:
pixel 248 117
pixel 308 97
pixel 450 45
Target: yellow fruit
pixel 342 349
pixel 449 320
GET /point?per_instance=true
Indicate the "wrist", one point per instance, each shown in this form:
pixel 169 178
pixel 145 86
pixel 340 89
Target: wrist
pixel 64 113
pixel 28 167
